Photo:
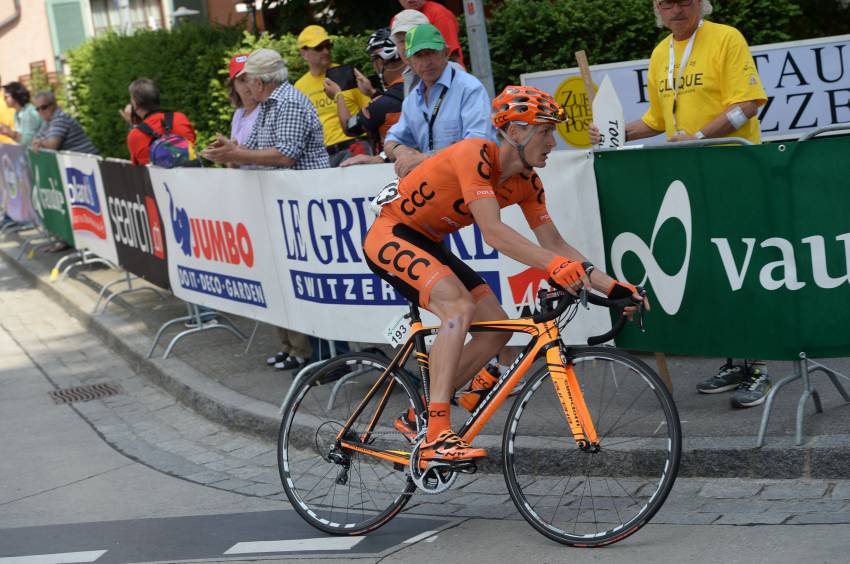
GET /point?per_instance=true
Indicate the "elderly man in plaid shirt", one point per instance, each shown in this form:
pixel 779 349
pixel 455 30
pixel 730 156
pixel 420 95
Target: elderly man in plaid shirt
pixel 287 134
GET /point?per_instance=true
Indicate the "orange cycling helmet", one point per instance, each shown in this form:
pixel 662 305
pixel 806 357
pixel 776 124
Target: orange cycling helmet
pixel 525 104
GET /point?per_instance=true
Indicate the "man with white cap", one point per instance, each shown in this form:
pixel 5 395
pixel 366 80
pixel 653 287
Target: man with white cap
pixel 447 105
pixel 287 133
pixel 403 22
pixel 443 19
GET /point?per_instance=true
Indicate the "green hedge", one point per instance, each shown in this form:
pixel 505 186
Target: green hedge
pixel 539 35
pixel 188 63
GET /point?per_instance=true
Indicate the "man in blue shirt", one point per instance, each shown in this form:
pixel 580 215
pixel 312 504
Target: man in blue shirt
pixel 446 106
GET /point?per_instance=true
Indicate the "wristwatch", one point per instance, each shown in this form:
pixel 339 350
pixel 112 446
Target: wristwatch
pixel 699 134
pixel 384 156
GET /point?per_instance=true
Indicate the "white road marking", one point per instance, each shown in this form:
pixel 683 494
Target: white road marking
pixel 58 558
pixel 294 545
pixel 419 537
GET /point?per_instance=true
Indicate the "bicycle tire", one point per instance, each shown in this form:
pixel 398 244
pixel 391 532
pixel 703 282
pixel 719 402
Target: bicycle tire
pixel 583 498
pixel 375 490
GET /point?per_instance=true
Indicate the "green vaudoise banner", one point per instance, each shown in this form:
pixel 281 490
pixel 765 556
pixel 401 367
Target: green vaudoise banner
pixel 48 195
pixel 744 250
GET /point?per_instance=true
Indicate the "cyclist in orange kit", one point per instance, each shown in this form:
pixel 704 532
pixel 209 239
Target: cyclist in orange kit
pixel 469 182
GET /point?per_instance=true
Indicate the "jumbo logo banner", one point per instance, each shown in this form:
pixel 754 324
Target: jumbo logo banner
pixel 48 195
pixel 318 219
pixel 218 242
pixel 745 250
pixel 137 223
pixel 15 183
pixel 807 85
pixel 87 202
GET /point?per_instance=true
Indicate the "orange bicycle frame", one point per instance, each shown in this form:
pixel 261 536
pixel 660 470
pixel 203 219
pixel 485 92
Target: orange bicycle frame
pixel 545 338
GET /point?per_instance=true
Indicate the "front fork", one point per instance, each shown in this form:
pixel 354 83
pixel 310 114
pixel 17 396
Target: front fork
pixel 571 397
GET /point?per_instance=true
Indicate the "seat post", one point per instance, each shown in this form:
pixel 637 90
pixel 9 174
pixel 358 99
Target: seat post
pixel 422 356
pixel 414 313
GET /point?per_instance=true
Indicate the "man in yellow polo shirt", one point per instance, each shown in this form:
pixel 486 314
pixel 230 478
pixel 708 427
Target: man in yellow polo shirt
pixel 315 47
pixel 703 83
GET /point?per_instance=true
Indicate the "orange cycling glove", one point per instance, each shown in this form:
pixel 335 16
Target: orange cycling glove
pixel 565 272
pixel 619 290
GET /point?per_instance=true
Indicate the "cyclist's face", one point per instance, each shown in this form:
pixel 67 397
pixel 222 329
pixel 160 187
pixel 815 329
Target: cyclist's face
pixel 540 145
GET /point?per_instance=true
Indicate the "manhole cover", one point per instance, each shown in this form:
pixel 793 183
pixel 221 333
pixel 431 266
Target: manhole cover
pixel 85 393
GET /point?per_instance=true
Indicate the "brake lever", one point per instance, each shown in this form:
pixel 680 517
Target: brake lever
pixel 642 293
pixel 582 296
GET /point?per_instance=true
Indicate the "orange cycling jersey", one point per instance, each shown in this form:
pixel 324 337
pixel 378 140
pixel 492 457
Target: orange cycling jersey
pixel 434 198
pixel 404 246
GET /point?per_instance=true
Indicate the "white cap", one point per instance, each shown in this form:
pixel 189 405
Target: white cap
pixel 405 20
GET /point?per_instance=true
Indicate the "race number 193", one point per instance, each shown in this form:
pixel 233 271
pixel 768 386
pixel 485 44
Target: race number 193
pixel 396 332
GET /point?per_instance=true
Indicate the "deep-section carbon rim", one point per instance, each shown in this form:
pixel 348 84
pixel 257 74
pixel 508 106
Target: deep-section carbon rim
pixel 586 498
pixel 337 490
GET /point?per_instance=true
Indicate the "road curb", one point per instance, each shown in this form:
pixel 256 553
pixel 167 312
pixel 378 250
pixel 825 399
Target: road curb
pixel 727 457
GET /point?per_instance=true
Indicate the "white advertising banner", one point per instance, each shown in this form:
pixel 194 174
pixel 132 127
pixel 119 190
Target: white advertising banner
pixel 807 84
pixel 317 221
pixel 219 254
pixel 87 204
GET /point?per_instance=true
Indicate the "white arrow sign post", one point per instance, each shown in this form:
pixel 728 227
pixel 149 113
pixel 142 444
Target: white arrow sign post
pixel 608 116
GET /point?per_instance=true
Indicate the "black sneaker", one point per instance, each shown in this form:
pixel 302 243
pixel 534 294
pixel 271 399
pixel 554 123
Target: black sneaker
pixel 278 357
pixel 291 363
pixel 753 391
pixel 729 377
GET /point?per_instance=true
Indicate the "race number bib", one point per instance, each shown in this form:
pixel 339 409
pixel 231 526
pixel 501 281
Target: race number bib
pixel 396 332
pixel 387 194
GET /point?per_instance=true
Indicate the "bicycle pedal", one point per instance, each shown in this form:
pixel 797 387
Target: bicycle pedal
pixel 464 466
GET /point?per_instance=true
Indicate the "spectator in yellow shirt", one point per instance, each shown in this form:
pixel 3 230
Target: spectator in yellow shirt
pixel 716 94
pixel 703 83
pixel 315 47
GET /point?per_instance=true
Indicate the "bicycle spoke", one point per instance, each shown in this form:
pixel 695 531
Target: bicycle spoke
pixel 615 492
pixel 332 487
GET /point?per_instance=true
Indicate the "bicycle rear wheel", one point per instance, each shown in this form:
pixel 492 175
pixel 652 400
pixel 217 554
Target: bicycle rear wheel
pixel 590 497
pixel 338 490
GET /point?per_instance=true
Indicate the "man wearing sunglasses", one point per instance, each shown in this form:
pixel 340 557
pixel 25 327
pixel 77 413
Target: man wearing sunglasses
pixel 59 131
pixel 315 47
pixel 702 79
pixel 703 83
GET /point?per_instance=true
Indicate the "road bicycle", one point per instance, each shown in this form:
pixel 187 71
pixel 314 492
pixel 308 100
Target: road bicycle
pixel 589 452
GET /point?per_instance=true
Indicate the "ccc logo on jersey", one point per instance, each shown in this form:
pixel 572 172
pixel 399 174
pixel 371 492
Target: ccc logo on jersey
pixel 417 199
pixel 485 165
pixel 460 207
pixel 402 261
pixel 536 185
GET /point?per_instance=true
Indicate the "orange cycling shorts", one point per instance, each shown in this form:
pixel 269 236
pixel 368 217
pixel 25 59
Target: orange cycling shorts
pixel 413 263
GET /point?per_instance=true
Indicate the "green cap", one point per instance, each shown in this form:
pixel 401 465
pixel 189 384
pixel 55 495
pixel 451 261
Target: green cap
pixel 423 36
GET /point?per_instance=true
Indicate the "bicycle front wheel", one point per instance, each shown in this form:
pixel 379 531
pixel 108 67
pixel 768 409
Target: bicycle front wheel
pixel 593 496
pixel 335 489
